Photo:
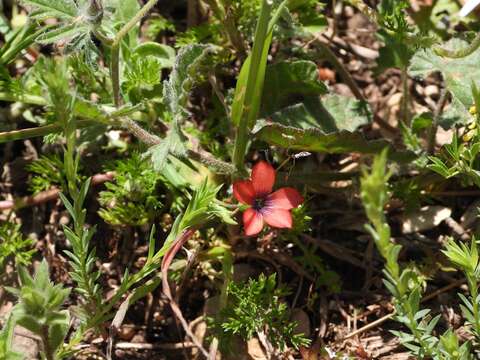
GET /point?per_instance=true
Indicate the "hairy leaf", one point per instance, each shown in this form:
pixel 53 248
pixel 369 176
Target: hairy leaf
pixel 171 144
pixel 457 73
pixel 326 126
pixel 44 9
pixel 184 75
pixel 331 114
pixel 314 139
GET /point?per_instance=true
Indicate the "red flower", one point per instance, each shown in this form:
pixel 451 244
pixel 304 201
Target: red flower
pixel 265 206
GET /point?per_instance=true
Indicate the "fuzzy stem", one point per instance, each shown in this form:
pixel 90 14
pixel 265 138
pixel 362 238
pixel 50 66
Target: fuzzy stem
pixel 140 133
pixel 202 157
pixel 211 162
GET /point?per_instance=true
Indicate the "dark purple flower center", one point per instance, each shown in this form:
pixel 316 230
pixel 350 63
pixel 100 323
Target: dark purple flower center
pixel 259 203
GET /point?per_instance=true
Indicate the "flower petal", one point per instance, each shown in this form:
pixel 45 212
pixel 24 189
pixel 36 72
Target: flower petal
pixel 252 222
pixel 469 7
pixel 285 198
pixel 279 218
pixel 263 178
pixel 244 192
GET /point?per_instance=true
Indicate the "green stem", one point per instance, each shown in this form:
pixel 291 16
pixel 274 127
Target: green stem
pixel 473 286
pixel 405 97
pixel 39 131
pixel 103 38
pixel 203 157
pixel 424 347
pixel 115 73
pixel 133 21
pixel 243 130
pixel 456 54
pixel 46 345
pixel 115 50
pixel 27 99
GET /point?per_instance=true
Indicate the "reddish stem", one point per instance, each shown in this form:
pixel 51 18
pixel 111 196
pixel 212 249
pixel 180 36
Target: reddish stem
pixel 47 195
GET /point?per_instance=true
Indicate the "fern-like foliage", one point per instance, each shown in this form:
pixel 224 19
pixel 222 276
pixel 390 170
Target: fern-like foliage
pixel 255 308
pixel 142 77
pixel 13 245
pixel 48 172
pixel 132 198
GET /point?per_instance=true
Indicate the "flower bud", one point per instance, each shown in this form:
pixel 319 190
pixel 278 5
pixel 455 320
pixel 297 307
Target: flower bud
pixel 94 13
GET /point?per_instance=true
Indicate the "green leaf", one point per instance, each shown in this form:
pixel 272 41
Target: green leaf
pixel 222 213
pixel 455 113
pixel 82 194
pixel 73 28
pixel 18 40
pixel 347 112
pixel 457 73
pixel 142 74
pixel 38 308
pixel 172 144
pixel 314 139
pixel 6 336
pixel 63 9
pixel 325 126
pixel 429 19
pixel 58 330
pixel 285 82
pixel 68 205
pixel 394 53
pixel 151 243
pixel 163 53
pixel 310 15
pixel 331 114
